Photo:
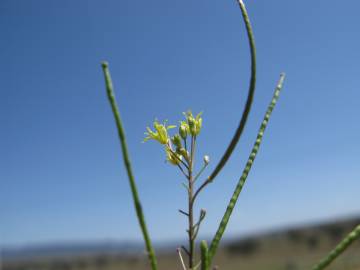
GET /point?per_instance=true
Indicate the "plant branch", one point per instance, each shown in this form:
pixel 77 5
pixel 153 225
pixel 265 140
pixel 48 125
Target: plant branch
pixel 181 258
pixel 249 100
pixel 182 170
pixel 137 204
pixel 179 159
pixel 197 225
pixel 185 186
pixel 239 186
pixel 183 212
pixel 340 248
pixel 203 185
pixel 200 172
pixel 185 249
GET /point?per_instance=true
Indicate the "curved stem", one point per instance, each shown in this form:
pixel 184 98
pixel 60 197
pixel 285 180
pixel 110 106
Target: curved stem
pixel 239 186
pixel 203 185
pixel 137 204
pixel 249 100
pixel 343 245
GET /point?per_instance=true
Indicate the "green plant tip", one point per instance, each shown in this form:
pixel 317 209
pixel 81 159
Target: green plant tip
pixel 104 64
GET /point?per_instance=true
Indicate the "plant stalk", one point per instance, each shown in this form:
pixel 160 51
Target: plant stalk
pixel 191 206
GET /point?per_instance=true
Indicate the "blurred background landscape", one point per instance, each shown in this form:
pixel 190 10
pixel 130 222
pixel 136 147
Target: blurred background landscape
pixel 288 249
pixel 65 201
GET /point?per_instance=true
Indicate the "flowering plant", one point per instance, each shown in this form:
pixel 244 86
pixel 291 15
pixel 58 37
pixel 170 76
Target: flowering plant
pixel 180 152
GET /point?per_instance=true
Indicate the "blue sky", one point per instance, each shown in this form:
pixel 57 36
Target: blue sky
pixel 62 176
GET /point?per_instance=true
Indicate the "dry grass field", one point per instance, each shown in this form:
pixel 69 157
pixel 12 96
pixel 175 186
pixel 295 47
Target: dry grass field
pixel 291 249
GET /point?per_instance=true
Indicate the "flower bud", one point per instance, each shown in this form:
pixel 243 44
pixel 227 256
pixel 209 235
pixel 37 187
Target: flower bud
pixel 202 214
pixel 194 123
pixel 183 152
pixel 206 159
pixel 183 129
pixel 176 140
pixel 173 158
pixel 198 125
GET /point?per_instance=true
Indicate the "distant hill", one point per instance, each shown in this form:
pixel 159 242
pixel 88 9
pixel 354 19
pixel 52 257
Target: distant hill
pixel 321 235
pixel 308 236
pixel 71 250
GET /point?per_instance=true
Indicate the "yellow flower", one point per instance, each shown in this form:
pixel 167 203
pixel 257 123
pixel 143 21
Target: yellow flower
pixel 160 134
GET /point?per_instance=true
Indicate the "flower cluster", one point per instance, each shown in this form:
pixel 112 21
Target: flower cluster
pixel 180 151
pixel 176 146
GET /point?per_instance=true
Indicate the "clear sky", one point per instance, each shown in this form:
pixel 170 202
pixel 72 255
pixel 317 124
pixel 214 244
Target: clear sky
pixel 61 171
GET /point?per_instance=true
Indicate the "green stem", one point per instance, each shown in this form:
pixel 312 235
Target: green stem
pixel 343 245
pixel 254 151
pixel 191 205
pixel 249 100
pixel 137 204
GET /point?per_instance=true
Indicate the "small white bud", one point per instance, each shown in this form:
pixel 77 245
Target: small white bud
pixel 206 159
